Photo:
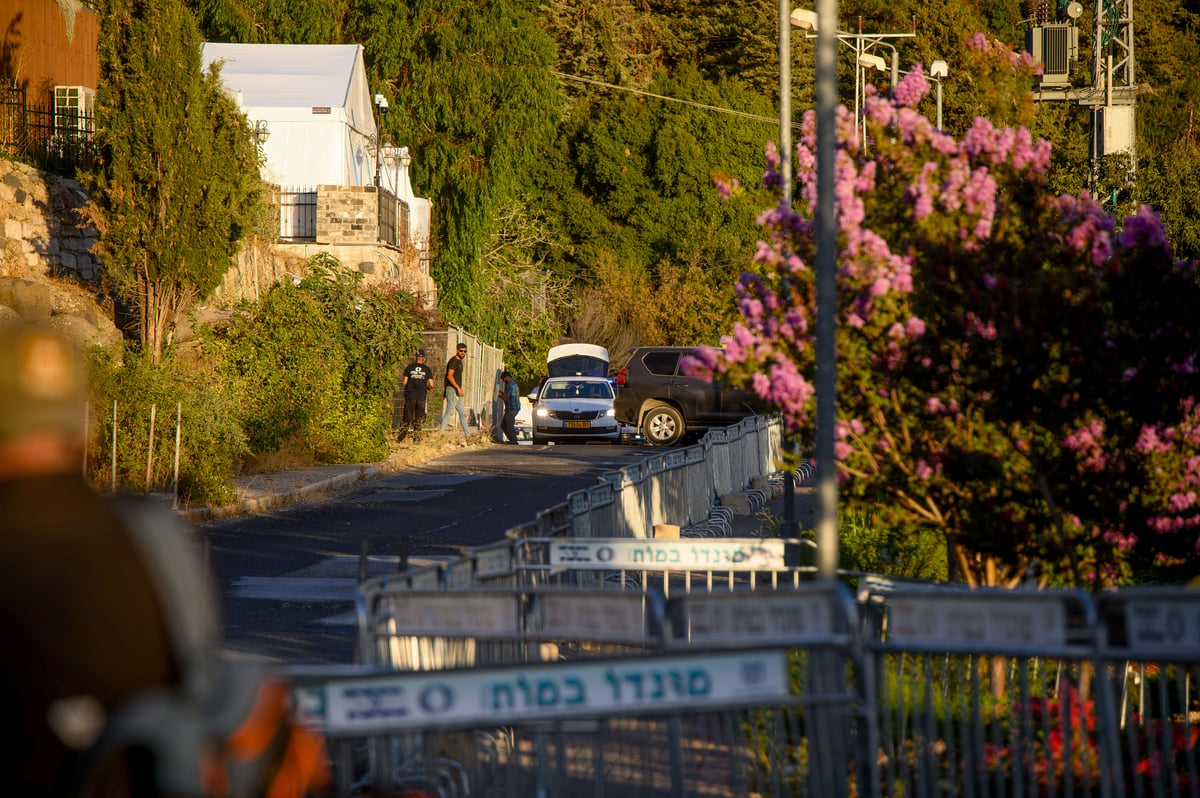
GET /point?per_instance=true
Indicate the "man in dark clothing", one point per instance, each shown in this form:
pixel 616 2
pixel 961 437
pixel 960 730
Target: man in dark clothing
pixel 418 382
pixel 511 394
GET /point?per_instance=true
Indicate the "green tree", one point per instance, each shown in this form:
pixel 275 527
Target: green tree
pixel 1169 180
pixel 271 21
pixel 476 100
pixel 317 364
pixel 177 187
pixel 632 192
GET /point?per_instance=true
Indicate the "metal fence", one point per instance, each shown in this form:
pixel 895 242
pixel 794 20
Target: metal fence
pixel 482 379
pixel 595 696
pixel 60 142
pixel 298 214
pixel 561 661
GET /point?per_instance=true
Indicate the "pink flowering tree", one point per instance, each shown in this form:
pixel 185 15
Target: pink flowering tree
pixel 1014 370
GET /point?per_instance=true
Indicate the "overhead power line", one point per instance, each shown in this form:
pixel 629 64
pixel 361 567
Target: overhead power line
pixel 718 109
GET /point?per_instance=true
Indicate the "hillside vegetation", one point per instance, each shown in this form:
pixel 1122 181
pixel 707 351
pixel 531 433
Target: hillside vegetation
pixel 593 210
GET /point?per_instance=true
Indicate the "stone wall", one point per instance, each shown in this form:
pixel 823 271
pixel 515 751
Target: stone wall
pixel 43 233
pixel 44 238
pixel 347 214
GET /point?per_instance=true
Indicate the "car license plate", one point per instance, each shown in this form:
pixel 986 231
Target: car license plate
pixel 577 424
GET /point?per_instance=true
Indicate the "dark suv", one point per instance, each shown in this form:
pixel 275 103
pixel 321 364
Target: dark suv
pixel 664 404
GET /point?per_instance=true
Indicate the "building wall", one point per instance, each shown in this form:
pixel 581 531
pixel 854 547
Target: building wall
pixel 44 46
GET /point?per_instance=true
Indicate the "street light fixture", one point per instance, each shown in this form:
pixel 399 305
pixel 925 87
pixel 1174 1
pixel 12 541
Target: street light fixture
pixel 938 70
pixel 261 132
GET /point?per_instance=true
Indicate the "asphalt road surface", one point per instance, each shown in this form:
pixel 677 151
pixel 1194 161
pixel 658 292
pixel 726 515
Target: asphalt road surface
pixel 288 576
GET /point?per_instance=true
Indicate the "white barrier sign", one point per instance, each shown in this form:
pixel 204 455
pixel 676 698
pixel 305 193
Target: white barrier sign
pixel 592 616
pixel 400 702
pixel 1152 626
pixel 963 619
pixel 633 554
pixel 493 561
pixel 749 619
pixel 463 613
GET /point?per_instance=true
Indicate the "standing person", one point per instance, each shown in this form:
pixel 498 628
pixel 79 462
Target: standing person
pixel 109 681
pixel 510 392
pixel 454 391
pixel 418 382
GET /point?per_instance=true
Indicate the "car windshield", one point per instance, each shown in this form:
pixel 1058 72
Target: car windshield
pixel 576 389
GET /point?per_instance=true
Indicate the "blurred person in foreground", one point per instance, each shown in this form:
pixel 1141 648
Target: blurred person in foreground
pixel 108 674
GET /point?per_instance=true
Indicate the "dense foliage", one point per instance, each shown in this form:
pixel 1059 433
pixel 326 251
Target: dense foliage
pixel 177 187
pixel 316 366
pixel 588 210
pixel 1014 370
pixel 612 186
pixel 129 454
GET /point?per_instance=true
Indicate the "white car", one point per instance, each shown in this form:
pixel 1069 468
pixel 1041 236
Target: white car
pixel 575 409
pixel 524 421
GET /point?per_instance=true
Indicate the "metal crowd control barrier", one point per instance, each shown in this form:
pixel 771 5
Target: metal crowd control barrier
pixel 972 691
pixel 683 487
pixel 1148 667
pixel 406 629
pixel 747 696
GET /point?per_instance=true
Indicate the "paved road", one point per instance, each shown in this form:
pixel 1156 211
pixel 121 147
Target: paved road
pixel 288 576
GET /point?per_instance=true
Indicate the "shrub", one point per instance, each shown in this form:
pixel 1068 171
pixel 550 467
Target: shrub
pixel 211 436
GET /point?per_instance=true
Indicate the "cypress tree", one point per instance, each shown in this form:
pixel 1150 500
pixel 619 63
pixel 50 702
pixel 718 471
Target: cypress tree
pixel 177 186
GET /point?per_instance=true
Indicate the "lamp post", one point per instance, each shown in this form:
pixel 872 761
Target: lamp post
pixel 785 100
pixel 381 105
pixel 937 71
pixel 826 266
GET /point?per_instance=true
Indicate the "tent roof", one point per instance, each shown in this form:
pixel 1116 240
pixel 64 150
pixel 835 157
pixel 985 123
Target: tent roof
pixel 286 75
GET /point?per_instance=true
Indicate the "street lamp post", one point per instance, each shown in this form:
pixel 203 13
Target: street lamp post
pixel 826 266
pixel 785 100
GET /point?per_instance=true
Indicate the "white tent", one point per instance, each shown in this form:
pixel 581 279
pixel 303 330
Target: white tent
pixel 315 104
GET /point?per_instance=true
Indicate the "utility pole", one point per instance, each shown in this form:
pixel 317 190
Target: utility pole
pixel 1112 97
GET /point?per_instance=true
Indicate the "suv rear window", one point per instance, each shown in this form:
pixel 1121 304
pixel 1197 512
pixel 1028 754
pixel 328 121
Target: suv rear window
pixel 661 363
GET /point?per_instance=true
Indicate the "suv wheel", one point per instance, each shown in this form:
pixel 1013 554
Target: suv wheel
pixel 663 425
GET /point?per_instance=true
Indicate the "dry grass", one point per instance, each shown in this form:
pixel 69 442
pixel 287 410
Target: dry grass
pixel 404 454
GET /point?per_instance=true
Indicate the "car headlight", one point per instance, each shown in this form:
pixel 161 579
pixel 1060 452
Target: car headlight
pixel 611 412
pixel 542 412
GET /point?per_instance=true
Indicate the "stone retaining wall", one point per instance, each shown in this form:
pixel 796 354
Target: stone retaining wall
pixel 43 233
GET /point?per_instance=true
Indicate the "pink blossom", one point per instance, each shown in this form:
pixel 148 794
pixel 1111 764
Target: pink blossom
pixel 1149 441
pixel 1144 230
pixel 915 327
pixel 924 470
pixel 912 88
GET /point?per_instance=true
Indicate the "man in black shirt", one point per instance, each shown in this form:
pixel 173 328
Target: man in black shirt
pixel 418 382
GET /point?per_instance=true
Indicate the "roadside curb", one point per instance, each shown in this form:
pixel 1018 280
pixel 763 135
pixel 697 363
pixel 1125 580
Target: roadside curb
pixel 269 499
